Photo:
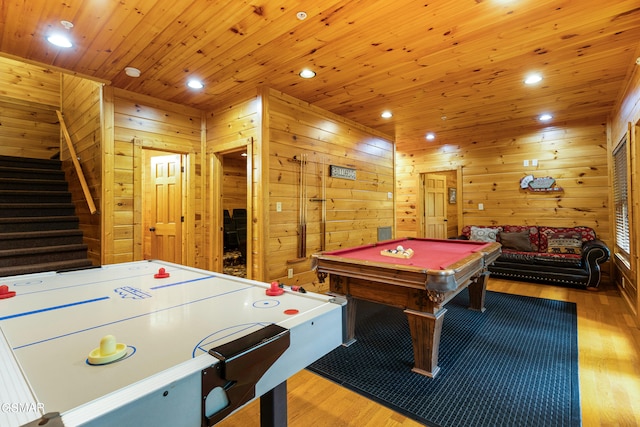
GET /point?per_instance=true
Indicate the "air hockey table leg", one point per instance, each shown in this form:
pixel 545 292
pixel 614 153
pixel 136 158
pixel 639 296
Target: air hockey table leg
pixel 273 407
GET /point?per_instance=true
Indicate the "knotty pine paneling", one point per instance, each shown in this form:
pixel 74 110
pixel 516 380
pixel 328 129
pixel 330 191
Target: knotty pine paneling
pixel 81 110
pixel 230 131
pixel 234 182
pixel 491 168
pixel 142 122
pixel 354 208
pixel 29 97
pixel 29 83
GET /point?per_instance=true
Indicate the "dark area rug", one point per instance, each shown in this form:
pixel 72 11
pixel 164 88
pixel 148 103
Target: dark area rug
pixel 516 364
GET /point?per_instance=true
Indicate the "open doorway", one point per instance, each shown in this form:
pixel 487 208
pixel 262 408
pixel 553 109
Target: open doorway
pixel 235 217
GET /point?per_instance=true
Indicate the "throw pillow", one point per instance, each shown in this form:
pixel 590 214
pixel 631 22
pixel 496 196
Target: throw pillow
pixel 517 241
pixel 565 243
pixel 484 234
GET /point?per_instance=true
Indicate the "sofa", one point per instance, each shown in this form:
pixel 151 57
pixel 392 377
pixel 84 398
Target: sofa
pixel 561 255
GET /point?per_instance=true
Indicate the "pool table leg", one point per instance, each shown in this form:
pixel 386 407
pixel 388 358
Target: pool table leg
pixel 426 329
pixel 477 291
pixel 349 328
pixel 348 319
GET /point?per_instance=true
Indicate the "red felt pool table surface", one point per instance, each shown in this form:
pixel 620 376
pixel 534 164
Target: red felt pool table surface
pixel 433 254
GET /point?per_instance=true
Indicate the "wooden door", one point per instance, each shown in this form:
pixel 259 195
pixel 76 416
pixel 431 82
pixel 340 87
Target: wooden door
pixel 435 206
pixel 163 220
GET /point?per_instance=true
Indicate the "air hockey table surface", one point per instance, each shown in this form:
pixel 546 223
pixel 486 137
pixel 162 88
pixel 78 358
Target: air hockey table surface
pixel 168 326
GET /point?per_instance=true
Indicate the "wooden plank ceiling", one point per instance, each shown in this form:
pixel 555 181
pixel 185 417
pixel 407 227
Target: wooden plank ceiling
pixel 438 65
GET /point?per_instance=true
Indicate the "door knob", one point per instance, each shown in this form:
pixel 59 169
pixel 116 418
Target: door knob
pixel 152 229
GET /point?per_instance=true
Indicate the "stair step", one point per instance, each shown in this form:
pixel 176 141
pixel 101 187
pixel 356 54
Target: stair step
pixel 13 257
pixel 32 184
pixel 28 196
pixel 31 173
pixel 11 161
pixel 15 225
pixel 11 210
pixel 35 239
pixel 39 230
pixel 45 266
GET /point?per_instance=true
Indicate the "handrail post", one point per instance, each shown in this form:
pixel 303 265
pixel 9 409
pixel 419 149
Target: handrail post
pixel 76 164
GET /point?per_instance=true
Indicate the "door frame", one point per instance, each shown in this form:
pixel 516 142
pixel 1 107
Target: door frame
pixel 424 219
pixel 147 159
pixel 141 153
pixel 420 212
pixel 216 236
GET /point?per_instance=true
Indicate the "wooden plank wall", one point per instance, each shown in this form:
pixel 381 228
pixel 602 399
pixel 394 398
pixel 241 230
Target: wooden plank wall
pixel 231 129
pixel 234 182
pixel 81 108
pixel 627 114
pixel 141 122
pixel 29 98
pixel 492 166
pixel 354 208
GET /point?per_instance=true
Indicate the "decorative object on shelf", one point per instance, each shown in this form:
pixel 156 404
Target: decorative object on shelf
pixel 545 183
pixel 452 195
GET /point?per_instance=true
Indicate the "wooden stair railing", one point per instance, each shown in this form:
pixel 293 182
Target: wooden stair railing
pixel 76 164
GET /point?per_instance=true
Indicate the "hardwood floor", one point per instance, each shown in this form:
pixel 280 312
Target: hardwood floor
pixel 609 358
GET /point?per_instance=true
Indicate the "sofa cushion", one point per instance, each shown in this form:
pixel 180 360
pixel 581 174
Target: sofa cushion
pixel 566 260
pixel 517 257
pixel 533 233
pixel 517 241
pixel 564 243
pixel 535 258
pixel 484 234
pixel 586 234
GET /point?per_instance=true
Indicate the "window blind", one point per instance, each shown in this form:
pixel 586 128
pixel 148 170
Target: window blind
pixel 620 199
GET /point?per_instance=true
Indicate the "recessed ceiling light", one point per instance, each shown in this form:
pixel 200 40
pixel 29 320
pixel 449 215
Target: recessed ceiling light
pixel 195 84
pixel 59 40
pixel 430 136
pixel 532 79
pixel 132 72
pixel 301 15
pixel 545 117
pixel 307 74
pixel 386 114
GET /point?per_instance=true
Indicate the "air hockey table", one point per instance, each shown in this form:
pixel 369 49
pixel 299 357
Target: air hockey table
pixel 154 343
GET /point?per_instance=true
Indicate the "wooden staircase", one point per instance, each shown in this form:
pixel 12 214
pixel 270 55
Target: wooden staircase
pixel 39 230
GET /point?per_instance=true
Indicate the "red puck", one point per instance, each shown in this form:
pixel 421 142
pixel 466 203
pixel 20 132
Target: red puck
pixel 6 293
pixel 275 289
pixel 291 311
pixel 161 274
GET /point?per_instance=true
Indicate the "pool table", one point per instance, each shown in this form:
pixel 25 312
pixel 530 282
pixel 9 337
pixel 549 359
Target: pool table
pixel 421 284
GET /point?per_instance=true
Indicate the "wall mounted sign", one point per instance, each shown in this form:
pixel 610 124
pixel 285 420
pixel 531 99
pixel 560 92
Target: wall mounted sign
pixel 340 172
pixel 545 183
